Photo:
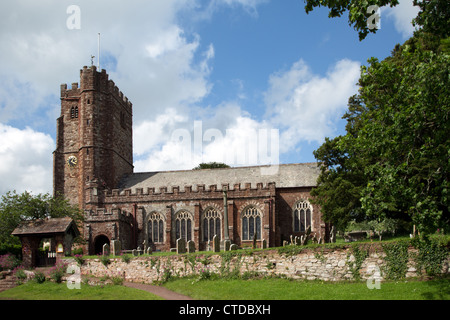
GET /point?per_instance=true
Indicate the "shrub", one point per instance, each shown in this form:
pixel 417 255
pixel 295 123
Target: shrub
pixel 57 272
pixel 79 259
pixel 9 262
pixel 39 277
pixel 19 274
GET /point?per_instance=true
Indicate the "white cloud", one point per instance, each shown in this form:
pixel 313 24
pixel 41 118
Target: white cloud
pixel 306 106
pixel 402 14
pixel 25 160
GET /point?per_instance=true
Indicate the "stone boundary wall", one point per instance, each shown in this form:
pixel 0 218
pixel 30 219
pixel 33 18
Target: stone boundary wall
pixel 308 264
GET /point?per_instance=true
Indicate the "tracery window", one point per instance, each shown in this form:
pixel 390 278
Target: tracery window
pixel 302 216
pixel 211 224
pixel 183 225
pixel 251 224
pixel 155 228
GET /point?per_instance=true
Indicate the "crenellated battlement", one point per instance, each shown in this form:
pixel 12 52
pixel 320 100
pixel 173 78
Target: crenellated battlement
pixel 91 80
pixel 199 190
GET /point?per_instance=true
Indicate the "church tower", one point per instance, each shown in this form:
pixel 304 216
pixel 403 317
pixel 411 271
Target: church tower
pixel 94 144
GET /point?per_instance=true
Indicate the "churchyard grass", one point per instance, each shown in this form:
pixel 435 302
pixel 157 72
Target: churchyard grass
pixel 54 291
pixel 285 289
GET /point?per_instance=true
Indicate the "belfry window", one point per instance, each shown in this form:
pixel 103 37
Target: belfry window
pixel 302 216
pixel 251 224
pixel 211 224
pixel 155 228
pixel 183 225
pixel 74 112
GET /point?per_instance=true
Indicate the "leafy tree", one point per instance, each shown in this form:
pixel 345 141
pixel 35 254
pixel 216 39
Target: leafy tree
pixel 393 161
pixel 211 165
pixel 358 14
pixel 15 208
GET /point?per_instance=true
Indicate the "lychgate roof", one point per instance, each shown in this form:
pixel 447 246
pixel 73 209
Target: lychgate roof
pixel 47 226
pixel 284 176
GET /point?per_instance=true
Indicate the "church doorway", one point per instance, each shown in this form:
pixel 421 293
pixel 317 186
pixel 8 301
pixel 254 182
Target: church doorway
pixel 99 243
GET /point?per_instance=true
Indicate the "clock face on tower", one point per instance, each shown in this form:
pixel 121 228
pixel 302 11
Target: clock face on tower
pixel 72 161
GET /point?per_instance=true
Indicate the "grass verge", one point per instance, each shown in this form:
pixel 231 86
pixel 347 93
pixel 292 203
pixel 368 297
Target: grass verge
pixel 53 291
pixel 284 289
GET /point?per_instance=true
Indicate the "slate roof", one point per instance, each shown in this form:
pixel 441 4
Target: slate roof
pixel 284 176
pixel 50 226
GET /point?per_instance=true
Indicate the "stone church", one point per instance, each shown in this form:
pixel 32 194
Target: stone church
pixel 93 168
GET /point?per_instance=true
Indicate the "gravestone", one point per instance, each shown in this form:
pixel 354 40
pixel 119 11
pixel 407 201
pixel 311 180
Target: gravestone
pixel 191 246
pixel 149 250
pixel 115 247
pixel 216 244
pixel 264 244
pixel 233 247
pixel 285 243
pixel 105 250
pixel 226 245
pixel 181 245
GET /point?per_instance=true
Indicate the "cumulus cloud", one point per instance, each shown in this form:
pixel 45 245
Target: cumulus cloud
pixel 305 106
pixel 402 14
pixel 25 156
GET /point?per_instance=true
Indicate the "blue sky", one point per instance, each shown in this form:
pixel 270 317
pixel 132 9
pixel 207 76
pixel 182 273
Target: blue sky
pixel 232 69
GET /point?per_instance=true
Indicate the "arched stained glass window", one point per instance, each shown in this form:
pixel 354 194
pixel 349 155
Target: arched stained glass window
pixel 302 216
pixel 155 228
pixel 251 224
pixel 183 225
pixel 211 224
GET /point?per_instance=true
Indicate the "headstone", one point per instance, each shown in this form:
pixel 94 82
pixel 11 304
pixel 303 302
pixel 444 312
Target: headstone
pixel 216 244
pixel 139 251
pixel 292 239
pixel 149 250
pixel 285 243
pixel 233 247
pixel 105 250
pixel 264 244
pixel 226 245
pixel 115 247
pixel 191 246
pixel 144 244
pixel 181 245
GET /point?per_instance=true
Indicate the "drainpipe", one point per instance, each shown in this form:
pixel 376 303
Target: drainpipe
pixel 134 228
pixel 225 213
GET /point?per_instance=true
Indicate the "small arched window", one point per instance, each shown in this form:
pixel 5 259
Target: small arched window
pixel 74 112
pixel 302 216
pixel 251 224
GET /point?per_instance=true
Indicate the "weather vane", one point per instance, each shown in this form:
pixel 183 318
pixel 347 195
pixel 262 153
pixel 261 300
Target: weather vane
pixel 92 60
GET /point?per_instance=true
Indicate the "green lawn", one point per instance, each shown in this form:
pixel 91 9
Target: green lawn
pixel 53 291
pixel 283 289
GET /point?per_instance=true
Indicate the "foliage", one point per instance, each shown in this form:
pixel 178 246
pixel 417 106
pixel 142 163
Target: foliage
pixel 8 262
pixel 16 208
pixel 57 272
pixel 39 277
pixel 393 161
pixel 211 165
pixel 396 259
pixel 104 259
pixel 358 14
pixel 431 255
pixel 79 259
pixel 360 253
pixel 19 274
